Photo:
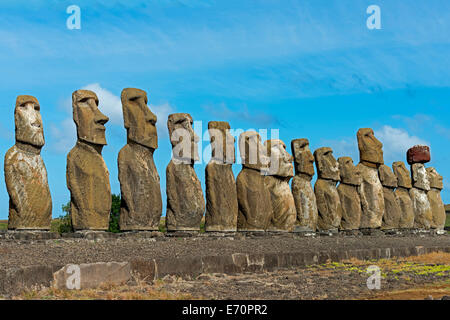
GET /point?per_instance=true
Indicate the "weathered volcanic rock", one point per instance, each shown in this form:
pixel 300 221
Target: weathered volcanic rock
pixel 348 194
pixel 418 154
pixel 423 215
pixel 141 205
pixel 87 174
pixel 30 202
pixel 370 148
pixel 372 197
pixel 392 211
pixel 302 191
pixel 434 196
pixel 221 192
pixel 402 194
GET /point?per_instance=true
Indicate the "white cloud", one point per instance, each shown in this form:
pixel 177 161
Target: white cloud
pixel 396 142
pixel 64 136
pixel 109 104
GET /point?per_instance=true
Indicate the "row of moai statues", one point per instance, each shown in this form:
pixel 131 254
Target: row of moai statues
pixel 369 195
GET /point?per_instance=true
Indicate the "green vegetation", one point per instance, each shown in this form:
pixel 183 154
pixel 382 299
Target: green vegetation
pixel 115 212
pixel 3 224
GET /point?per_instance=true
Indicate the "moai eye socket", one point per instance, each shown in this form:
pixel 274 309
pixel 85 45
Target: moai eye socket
pixel 37 107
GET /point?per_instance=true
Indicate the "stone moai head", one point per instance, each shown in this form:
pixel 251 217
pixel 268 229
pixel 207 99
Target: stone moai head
pixel 435 178
pixel 403 175
pixel 280 160
pixel 252 151
pixel 139 121
pixel 89 120
pixel 327 166
pixel 303 157
pixel 28 121
pixel 349 173
pixel 387 177
pixel 222 142
pixel 183 138
pixel 420 177
pixel 370 148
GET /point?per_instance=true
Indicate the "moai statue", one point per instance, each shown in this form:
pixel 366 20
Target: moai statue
pixel 348 194
pixel 392 212
pixel 434 197
pixel 185 201
pixel 371 189
pixel 141 205
pixel 87 174
pixel 402 195
pixel 221 193
pixel 418 154
pixel 30 202
pixel 328 202
pixel 255 207
pixel 302 191
pixel 423 216
pixel 279 173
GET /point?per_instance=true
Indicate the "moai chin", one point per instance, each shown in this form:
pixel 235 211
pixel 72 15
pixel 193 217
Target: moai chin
pixel 392 211
pixel 87 174
pixel 402 195
pixel 434 197
pixel 302 191
pixel 348 194
pixel 371 189
pixel 281 170
pixel 141 205
pixel 423 215
pixel 221 194
pixel 255 208
pixel 185 201
pixel 328 201
pixel 30 202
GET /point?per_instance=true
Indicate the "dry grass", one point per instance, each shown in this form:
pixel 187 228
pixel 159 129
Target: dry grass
pixel 435 290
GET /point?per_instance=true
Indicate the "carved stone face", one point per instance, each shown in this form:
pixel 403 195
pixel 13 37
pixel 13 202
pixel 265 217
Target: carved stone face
pixel 183 138
pixel 403 175
pixel 370 149
pixel 252 151
pixel 139 121
pixel 222 142
pixel 89 120
pixel 280 160
pixel 349 173
pixel 420 177
pixel 303 157
pixel 435 178
pixel 387 177
pixel 327 166
pixel 28 121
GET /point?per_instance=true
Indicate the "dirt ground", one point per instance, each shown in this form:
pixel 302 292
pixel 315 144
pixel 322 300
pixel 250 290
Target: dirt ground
pixel 422 277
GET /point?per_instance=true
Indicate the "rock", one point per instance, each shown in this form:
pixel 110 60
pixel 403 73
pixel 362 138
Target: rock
pixel 87 174
pixel 402 194
pixel 348 194
pixel 372 197
pixel 423 216
pixel 392 211
pixel 281 170
pixel 141 205
pixel 255 208
pixel 30 202
pixel 91 275
pixel 221 192
pixel 434 197
pixel 327 197
pixel 420 177
pixel 185 201
pixel 418 154
pixel 302 191
pixel 370 149
pixel 403 175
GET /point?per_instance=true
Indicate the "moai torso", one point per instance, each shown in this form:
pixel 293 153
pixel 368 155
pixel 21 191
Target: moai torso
pixel 302 191
pixel 348 194
pixel 423 215
pixel 280 171
pixel 254 200
pixel 392 212
pixel 87 174
pixel 221 193
pixel 371 189
pixel 141 204
pixel 328 201
pixel 30 203
pixel 434 197
pixel 185 202
pixel 402 195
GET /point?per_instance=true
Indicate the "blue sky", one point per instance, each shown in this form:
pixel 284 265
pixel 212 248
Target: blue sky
pixel 311 69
